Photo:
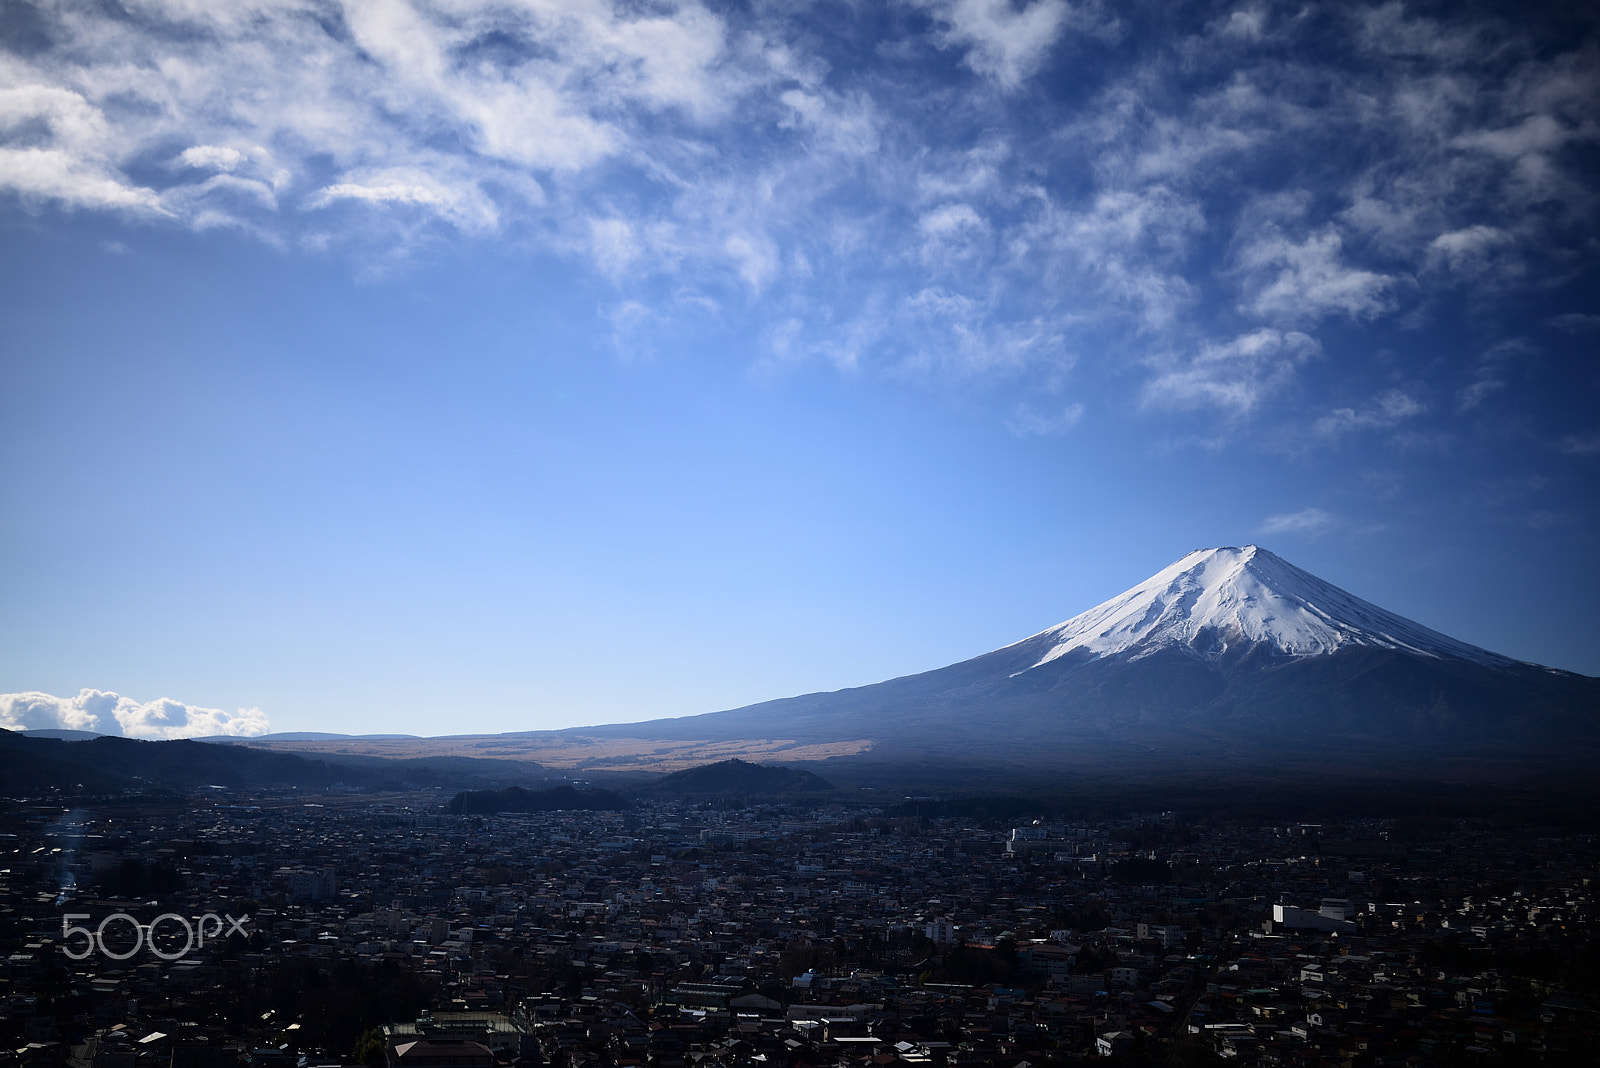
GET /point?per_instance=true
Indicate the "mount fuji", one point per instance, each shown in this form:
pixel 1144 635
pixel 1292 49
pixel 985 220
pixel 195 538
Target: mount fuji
pixel 1228 654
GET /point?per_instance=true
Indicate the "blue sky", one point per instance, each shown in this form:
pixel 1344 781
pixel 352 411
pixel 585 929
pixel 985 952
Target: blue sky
pixel 477 366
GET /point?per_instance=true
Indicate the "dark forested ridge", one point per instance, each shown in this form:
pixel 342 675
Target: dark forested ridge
pixel 105 764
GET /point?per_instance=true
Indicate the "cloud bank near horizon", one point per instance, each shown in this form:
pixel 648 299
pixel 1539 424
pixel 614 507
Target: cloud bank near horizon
pixel 110 713
pixel 956 188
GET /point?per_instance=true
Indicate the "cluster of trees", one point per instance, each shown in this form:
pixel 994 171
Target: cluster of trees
pixel 516 799
pixel 339 1007
pixel 135 879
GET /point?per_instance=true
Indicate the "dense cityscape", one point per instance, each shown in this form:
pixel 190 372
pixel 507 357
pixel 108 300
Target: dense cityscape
pixel 342 928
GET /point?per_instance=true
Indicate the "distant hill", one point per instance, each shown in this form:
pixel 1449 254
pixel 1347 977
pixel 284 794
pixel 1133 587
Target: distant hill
pixel 109 764
pixel 516 799
pixel 739 778
pixel 105 764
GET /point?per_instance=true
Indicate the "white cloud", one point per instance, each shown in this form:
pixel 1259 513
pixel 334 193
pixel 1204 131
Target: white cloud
pixel 1234 376
pixel 1211 134
pixel 1308 280
pixel 41 711
pixel 111 713
pixel 1492 370
pixel 60 115
pixel 1481 389
pixel 1545 519
pixel 40 175
pixel 1123 247
pixel 1389 31
pixel 1384 485
pixel 754 256
pixel 1305 521
pixel 1581 444
pixel 1025 422
pixel 1470 250
pixel 1576 322
pixel 166 718
pixel 967 174
pixel 1124 221
pixel 634 328
pixel 1002 40
pixel 1383 412
pixel 211 157
pixel 941 332
pixel 951 233
pixel 1247 24
pixel 614 246
pixel 846 126
pixel 1534 136
pixel 950 219
pixel 463 204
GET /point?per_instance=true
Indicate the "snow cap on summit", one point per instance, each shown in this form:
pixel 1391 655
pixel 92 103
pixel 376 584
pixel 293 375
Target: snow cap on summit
pixel 1216 601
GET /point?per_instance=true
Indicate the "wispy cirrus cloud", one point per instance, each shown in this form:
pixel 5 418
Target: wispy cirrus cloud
pixel 970 202
pixel 1581 444
pixel 1024 421
pixel 1234 376
pixel 1385 411
pixel 1305 521
pixel 1575 322
pixel 1492 370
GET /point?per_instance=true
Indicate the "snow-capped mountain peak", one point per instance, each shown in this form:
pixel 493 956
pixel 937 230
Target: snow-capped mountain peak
pixel 1214 601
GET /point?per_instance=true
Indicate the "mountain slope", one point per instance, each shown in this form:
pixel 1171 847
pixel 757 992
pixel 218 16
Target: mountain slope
pixel 1228 652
